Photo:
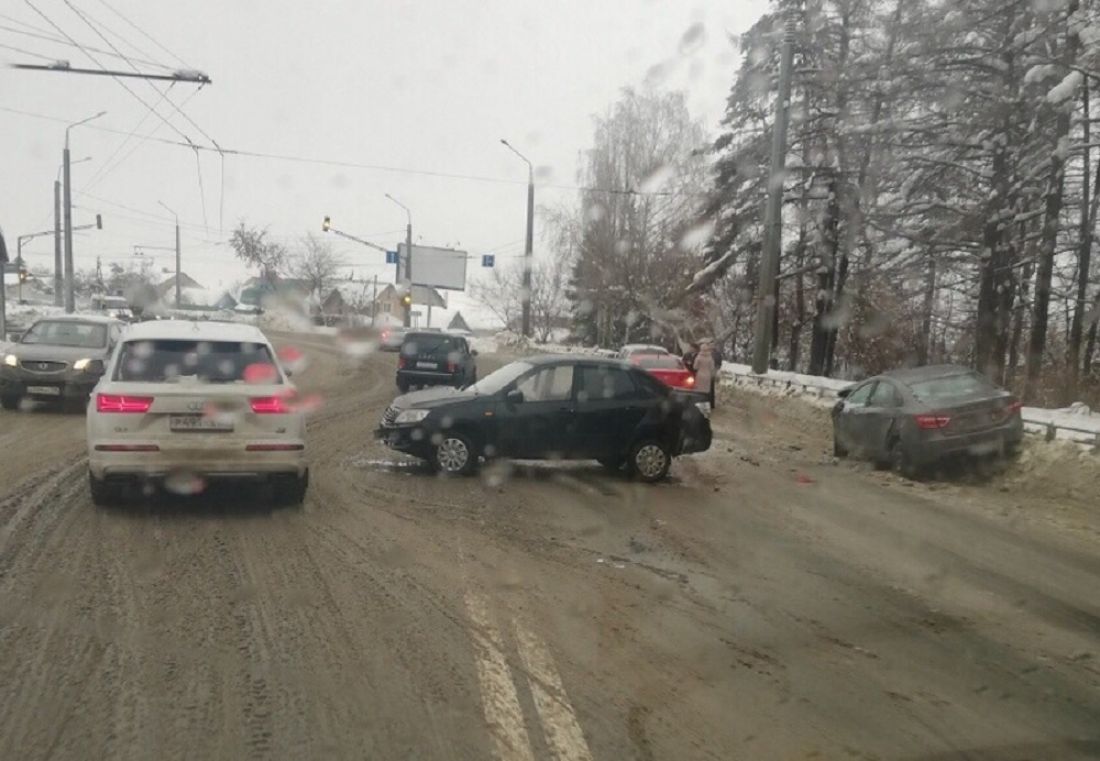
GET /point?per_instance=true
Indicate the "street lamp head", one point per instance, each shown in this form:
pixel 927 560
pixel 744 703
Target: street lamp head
pixel 326 225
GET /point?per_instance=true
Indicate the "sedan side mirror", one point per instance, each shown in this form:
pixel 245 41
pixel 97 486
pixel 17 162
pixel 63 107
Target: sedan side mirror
pixel 473 352
pixel 95 367
pixel 843 393
pixel 515 396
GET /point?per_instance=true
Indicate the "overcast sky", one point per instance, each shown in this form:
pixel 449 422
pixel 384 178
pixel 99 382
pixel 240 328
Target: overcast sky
pixel 413 86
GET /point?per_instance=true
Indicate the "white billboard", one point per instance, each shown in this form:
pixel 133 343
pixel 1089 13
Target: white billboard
pixel 434 267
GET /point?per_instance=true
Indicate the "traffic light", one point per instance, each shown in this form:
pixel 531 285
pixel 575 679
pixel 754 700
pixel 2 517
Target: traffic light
pixel 407 299
pixel 326 224
pixel 98 221
pixel 22 275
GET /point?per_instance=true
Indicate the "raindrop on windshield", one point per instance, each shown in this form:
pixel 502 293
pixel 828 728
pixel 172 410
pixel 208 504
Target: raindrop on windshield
pixel 694 39
pixel 184 482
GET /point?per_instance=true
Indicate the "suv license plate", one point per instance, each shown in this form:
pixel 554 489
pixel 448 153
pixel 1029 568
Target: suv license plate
pixel 187 423
pixel 427 365
pixel 44 390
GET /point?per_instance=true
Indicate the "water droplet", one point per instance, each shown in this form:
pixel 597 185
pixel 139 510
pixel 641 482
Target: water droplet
pixel 656 178
pixel 184 482
pixel 693 39
pixel 697 236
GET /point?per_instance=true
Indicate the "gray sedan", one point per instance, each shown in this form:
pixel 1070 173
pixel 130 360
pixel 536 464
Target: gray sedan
pixel 908 419
pixel 58 359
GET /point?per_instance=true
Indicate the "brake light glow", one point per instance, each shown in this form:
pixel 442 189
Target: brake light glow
pixel 689 381
pixel 274 447
pixel 269 405
pixel 119 403
pixel 932 422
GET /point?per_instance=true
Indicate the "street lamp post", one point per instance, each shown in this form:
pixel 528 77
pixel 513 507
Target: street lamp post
pixel 408 258
pixel 70 297
pixel 177 216
pixel 528 249
pixel 58 259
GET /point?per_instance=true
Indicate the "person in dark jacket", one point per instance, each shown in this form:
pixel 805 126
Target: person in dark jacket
pixel 690 355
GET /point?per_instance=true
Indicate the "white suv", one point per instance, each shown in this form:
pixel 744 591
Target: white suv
pixel 183 402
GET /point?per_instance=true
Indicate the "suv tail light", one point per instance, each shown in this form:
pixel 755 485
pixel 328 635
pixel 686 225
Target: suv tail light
pixel 269 405
pixel 451 367
pixel 1013 408
pixel 401 362
pixel 119 403
pixel 689 381
pixel 932 422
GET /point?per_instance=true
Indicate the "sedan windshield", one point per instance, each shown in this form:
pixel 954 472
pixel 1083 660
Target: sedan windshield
pixel 496 381
pixel 166 361
pixel 88 335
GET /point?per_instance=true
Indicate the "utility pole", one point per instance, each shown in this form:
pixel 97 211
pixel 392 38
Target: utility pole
pixel 767 305
pixel 528 250
pixel 408 259
pixel 177 216
pixel 70 297
pixel 58 263
pixel 374 302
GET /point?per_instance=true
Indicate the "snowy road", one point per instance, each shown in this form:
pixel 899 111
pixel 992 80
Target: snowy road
pixel 765 603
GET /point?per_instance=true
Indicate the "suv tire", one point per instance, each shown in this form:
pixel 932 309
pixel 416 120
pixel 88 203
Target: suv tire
pixel 104 494
pixel 291 492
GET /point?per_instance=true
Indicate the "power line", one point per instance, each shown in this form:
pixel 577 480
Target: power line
pixel 37 34
pixel 370 167
pixel 101 66
pixel 164 96
pixel 28 52
pixel 145 34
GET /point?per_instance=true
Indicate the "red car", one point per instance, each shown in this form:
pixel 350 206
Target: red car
pixel 667 368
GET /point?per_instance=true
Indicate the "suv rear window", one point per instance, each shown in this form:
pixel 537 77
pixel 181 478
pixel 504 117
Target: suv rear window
pixel 166 361
pixel 428 344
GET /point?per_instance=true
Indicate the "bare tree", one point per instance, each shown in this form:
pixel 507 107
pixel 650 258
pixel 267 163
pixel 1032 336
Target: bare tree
pixel 501 294
pixel 316 263
pixel 253 247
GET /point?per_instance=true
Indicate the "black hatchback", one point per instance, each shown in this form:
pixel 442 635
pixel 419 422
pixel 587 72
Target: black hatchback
pixel 553 407
pixel 427 358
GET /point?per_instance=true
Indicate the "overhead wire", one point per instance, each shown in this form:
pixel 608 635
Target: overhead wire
pixel 28 52
pixel 122 84
pixel 86 18
pixel 143 33
pixel 38 33
pixel 362 165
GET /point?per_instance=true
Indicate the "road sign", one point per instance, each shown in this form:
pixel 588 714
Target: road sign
pixel 488 260
pixel 391 257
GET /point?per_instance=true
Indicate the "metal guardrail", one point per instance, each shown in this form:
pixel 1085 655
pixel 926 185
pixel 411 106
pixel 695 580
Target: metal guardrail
pixel 1048 429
